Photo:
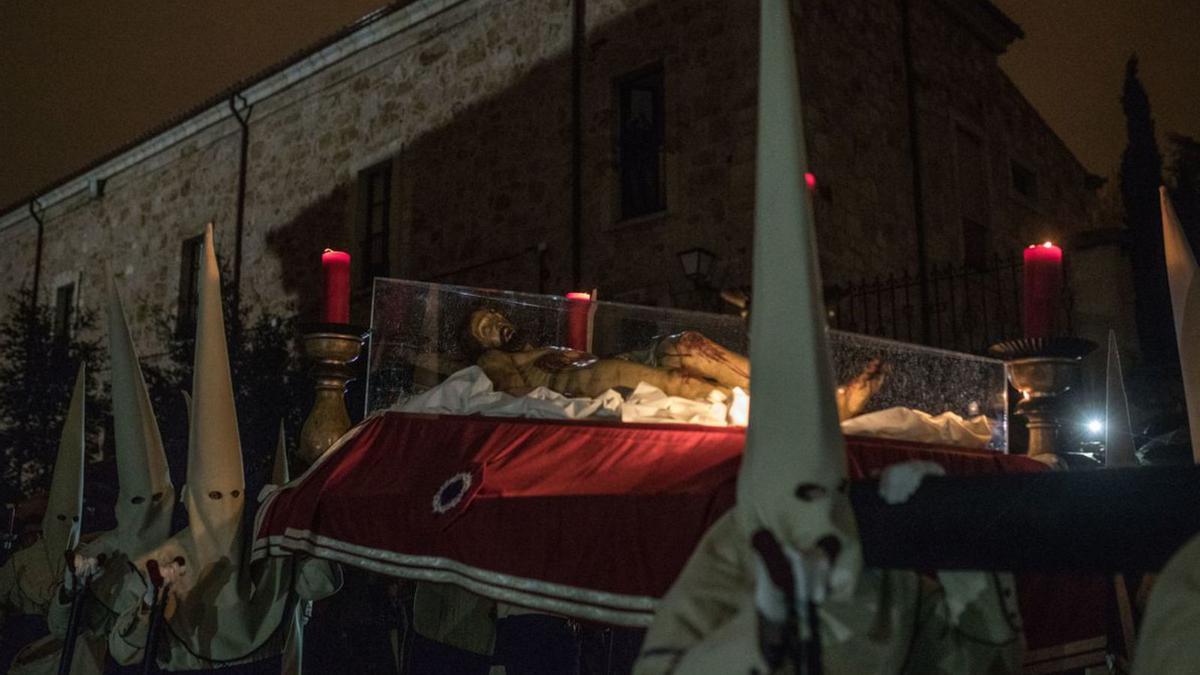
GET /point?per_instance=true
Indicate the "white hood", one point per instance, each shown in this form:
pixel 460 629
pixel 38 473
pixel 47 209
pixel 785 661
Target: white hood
pixel 1185 303
pixel 793 479
pixel 215 491
pixel 64 512
pixel 226 609
pixel 146 496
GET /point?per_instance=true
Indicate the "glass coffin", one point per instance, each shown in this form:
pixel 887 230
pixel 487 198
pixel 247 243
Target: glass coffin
pixel 425 339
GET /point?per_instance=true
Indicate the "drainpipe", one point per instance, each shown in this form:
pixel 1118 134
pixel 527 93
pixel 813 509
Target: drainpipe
pixel 914 141
pixel 243 121
pixel 578 38
pixel 35 212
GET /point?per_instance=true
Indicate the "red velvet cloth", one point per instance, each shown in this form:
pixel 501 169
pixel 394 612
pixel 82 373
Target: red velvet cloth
pixel 599 516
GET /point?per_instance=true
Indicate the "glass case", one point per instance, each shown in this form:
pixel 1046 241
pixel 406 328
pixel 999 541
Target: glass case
pixel 421 335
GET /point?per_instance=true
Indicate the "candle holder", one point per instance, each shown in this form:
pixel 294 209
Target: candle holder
pixel 331 347
pixel 1043 370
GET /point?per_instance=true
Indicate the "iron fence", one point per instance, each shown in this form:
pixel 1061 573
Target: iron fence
pixel 969 308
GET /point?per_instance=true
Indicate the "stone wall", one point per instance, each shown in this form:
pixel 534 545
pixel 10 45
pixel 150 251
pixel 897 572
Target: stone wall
pixel 472 107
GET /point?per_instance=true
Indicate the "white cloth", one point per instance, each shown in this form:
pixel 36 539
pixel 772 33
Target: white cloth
pixel 470 392
pixel 916 425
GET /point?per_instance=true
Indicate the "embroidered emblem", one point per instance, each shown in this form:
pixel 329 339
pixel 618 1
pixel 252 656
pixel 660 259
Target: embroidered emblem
pixel 452 491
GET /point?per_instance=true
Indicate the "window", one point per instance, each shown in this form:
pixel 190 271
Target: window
pixel 640 143
pixel 374 221
pixel 64 311
pixel 1024 181
pixel 189 284
pixel 971 161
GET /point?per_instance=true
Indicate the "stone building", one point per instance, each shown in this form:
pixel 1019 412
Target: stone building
pixel 555 145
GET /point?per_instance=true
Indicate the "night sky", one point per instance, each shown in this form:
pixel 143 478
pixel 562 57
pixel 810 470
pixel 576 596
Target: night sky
pixel 81 79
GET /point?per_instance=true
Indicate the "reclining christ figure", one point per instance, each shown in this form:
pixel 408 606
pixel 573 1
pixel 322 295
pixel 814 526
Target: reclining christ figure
pixel 687 364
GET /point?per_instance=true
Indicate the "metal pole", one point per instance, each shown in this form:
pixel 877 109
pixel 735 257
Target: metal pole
pixel 914 142
pixel 243 122
pixel 77 606
pixel 35 212
pixel 578 42
pixel 150 651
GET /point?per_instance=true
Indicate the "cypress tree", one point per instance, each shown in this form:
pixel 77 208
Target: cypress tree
pixel 1141 175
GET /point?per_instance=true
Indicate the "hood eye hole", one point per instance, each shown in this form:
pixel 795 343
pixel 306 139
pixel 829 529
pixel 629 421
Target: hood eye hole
pixel 214 495
pixel 808 492
pixel 138 500
pixel 74 519
pixel 157 497
pixel 62 518
pixel 235 493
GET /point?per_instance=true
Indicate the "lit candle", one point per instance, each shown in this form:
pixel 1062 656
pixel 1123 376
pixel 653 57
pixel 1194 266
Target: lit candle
pixel 578 305
pixel 1043 289
pixel 337 286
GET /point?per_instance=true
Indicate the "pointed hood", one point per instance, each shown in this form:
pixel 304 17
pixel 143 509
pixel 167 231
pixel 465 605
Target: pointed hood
pixel 1185 303
pixel 226 607
pixel 1118 432
pixel 146 495
pixel 793 474
pixel 215 489
pixel 64 512
pixel 279 472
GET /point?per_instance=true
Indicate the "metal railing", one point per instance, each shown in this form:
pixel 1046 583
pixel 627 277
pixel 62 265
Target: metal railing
pixel 969 308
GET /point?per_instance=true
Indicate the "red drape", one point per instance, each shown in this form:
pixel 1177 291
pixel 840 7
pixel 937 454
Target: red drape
pixel 590 519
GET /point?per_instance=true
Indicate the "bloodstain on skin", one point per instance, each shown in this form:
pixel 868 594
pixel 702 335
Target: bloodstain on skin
pixel 563 360
pixel 691 342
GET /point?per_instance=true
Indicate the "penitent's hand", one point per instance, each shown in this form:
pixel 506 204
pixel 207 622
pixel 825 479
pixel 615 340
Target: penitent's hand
pixel 78 570
pixel 900 481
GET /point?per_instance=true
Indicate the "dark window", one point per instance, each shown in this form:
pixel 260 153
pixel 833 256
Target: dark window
pixel 973 198
pixel 375 193
pixel 640 143
pixel 1024 181
pixel 64 311
pixel 189 284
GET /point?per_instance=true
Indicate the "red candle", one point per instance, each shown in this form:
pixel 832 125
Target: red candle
pixel 337 286
pixel 578 309
pixel 1043 289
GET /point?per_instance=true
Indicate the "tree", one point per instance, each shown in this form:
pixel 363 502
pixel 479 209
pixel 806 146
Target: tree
pixel 1141 175
pixel 37 374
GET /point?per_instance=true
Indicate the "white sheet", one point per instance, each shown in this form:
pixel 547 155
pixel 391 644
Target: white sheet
pixel 470 392
pixel 916 425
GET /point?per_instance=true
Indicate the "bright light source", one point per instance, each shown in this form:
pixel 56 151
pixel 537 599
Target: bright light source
pixel 1047 245
pixel 1095 426
pixel 810 180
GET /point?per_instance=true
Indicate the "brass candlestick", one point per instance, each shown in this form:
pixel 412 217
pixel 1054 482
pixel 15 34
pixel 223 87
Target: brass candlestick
pixel 1043 370
pixel 331 348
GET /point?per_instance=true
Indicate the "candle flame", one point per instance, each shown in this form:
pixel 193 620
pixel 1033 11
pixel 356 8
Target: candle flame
pixel 1047 245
